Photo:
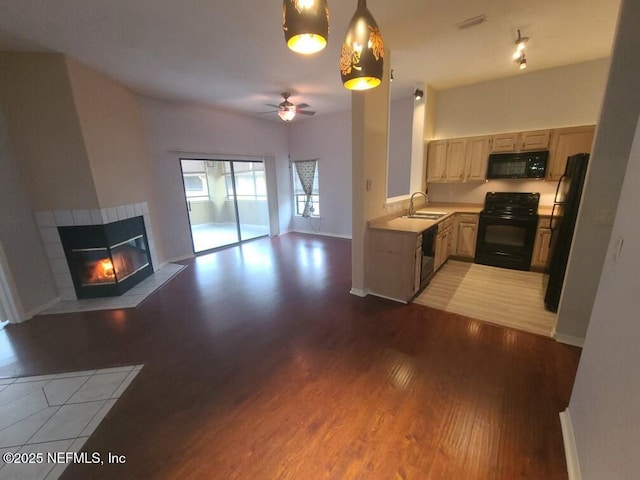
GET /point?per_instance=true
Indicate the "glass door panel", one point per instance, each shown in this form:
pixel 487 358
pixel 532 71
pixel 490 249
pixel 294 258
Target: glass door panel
pixel 251 195
pixel 226 200
pixel 211 204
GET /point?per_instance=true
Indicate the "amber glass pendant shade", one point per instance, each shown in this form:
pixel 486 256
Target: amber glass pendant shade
pixel 362 56
pixel 306 25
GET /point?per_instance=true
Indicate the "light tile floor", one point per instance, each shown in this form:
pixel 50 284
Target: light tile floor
pixel 129 299
pixel 207 236
pixel 48 414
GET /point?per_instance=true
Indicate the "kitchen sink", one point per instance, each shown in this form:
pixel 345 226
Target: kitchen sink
pixel 427 215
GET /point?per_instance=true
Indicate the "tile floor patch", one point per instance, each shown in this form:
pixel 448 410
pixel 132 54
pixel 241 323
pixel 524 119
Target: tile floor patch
pixel 36 414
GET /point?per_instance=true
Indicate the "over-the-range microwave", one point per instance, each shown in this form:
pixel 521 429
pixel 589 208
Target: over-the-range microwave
pixel 518 165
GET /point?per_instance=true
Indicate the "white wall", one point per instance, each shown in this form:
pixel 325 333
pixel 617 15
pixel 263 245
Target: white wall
pixel 19 235
pixel 328 139
pixel 605 403
pixel 557 97
pixel 173 127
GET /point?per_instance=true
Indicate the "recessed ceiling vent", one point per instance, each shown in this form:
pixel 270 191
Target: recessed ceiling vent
pixel 471 22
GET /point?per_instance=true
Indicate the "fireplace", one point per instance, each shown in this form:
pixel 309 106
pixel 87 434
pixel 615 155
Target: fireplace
pixel 107 260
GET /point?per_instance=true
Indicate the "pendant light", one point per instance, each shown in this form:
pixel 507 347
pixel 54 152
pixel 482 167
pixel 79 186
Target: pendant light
pixel 306 25
pixel 361 59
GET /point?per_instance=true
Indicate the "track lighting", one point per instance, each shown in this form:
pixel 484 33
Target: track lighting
pixel 305 24
pixel 418 94
pixel 519 56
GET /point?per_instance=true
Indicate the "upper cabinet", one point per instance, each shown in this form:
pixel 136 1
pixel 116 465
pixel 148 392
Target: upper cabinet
pixel 520 141
pixel 567 142
pixel 446 160
pixel 477 156
pixel 457 160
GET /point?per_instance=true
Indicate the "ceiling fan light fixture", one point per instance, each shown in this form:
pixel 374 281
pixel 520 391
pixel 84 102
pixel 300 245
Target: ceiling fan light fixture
pixel 306 25
pixel 287 113
pixel 362 55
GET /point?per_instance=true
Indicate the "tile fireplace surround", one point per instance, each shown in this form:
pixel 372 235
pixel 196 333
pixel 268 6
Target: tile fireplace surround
pixel 48 222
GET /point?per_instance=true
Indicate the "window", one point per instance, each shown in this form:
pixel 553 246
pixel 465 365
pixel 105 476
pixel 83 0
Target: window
pixel 251 183
pixel 300 198
pixel 196 186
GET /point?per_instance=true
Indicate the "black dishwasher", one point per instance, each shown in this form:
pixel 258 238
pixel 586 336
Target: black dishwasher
pixel 428 255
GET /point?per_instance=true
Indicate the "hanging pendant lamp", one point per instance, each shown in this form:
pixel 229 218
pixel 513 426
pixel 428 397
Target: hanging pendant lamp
pixel 305 24
pixel 361 60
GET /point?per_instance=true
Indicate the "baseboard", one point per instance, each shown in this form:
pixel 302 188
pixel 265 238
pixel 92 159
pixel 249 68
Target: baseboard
pixel 45 306
pixel 570 451
pixel 179 259
pixel 387 298
pixel 324 234
pixel 359 292
pixel 569 339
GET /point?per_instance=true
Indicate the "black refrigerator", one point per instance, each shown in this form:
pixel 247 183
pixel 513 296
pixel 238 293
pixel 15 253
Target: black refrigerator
pixel 563 222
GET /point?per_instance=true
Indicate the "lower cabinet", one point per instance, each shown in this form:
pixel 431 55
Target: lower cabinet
pixel 466 228
pixel 444 242
pixel 394 262
pixel 540 257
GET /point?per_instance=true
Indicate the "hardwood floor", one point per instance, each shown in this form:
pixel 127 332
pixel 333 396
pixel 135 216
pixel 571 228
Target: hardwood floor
pixel 260 365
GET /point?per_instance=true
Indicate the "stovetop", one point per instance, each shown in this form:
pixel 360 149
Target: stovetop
pixel 511 204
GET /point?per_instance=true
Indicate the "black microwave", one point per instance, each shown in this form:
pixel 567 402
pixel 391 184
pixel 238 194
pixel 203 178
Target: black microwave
pixel 518 165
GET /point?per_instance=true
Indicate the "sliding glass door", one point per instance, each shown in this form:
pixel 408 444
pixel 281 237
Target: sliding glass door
pixel 226 200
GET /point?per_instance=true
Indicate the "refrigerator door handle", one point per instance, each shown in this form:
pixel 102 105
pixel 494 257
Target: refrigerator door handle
pixel 551 227
pixel 555 199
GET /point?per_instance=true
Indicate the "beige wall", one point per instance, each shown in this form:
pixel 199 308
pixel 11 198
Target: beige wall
pixel 557 97
pixel 114 136
pixel 37 101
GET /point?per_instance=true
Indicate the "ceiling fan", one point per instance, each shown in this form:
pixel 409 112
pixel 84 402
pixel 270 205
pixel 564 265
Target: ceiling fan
pixel 287 110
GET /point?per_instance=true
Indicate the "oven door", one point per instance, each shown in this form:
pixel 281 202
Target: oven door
pixel 505 241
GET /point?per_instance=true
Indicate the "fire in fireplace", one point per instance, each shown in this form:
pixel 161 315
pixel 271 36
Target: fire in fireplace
pixel 107 260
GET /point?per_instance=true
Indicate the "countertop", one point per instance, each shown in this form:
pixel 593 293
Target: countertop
pixel 419 225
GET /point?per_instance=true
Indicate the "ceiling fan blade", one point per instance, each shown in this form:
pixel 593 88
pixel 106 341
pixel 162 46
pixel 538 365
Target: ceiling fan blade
pixel 272 105
pixel 270 111
pixel 305 112
pixel 303 105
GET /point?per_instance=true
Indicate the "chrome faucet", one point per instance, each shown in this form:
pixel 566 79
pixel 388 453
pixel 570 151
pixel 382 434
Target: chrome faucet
pixel 412 209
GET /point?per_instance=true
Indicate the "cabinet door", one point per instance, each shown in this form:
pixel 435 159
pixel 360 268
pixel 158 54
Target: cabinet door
pixel 466 246
pixel 537 140
pixel 477 156
pixel 456 155
pixel 505 142
pixel 567 142
pixel 436 158
pixel 541 248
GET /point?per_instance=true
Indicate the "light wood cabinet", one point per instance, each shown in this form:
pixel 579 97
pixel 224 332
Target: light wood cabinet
pixel 567 142
pixel 455 160
pixel 540 257
pixel 535 140
pixel 466 225
pixel 394 262
pixel 477 157
pixel 504 142
pixel 436 161
pixel 446 160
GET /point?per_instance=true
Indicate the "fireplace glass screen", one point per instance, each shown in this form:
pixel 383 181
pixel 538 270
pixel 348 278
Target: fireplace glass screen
pixel 105 266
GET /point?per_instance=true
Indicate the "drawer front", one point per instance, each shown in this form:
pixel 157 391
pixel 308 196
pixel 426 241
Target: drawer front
pixel 468 217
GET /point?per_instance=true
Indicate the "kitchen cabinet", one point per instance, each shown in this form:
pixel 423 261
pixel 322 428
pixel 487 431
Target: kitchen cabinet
pixel 520 141
pixel 504 142
pixel 394 262
pixel 535 140
pixel 446 160
pixel 567 142
pixel 444 242
pixel 466 227
pixel 477 157
pixel 540 258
